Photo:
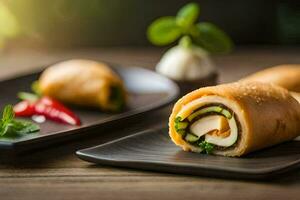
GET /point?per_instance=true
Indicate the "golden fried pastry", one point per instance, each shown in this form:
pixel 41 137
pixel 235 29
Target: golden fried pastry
pixel 287 76
pixel 84 83
pixel 234 119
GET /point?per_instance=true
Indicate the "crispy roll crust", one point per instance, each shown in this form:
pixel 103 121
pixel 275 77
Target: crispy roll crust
pixel 287 76
pixel 266 115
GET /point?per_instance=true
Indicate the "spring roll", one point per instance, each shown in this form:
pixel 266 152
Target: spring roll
pixel 84 83
pixel 286 76
pixel 234 119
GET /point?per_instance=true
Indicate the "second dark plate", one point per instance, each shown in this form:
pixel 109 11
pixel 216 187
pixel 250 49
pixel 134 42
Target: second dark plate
pixel 147 91
pixel 153 150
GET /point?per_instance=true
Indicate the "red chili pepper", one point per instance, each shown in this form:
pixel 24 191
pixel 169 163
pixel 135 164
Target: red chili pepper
pixel 48 107
pixel 24 108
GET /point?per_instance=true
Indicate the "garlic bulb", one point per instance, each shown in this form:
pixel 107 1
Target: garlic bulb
pixel 185 63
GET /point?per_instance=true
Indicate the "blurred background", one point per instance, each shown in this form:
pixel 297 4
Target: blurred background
pixel 79 23
pixel 37 33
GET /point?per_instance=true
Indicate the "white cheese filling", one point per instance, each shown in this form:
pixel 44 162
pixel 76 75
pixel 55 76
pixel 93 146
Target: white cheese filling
pixel 207 124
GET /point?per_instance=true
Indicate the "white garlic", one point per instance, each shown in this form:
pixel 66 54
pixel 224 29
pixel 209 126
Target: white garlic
pixel 185 63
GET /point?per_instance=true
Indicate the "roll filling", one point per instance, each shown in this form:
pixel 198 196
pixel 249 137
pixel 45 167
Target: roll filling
pixel 208 126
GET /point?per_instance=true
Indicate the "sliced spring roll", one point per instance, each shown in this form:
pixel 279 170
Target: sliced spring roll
pixel 234 119
pixel 286 76
pixel 84 83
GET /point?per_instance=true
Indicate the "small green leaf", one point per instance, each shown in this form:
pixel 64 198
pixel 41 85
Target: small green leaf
pixel 8 114
pixel 18 127
pixel 23 127
pixel 6 129
pixel 178 119
pixel 211 38
pixel 206 147
pixel 11 127
pixel 188 15
pixel 163 31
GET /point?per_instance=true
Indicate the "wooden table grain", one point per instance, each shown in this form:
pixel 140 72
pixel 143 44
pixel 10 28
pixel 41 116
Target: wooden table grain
pixel 56 173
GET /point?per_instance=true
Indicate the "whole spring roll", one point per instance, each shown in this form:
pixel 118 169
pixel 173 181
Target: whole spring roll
pixel 286 76
pixel 234 119
pixel 84 83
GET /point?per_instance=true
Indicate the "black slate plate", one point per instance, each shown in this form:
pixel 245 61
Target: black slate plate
pixel 153 150
pixel 147 91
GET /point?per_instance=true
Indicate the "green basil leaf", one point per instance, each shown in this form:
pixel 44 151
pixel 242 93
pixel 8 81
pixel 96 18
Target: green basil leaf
pixel 9 127
pixel 6 129
pixel 188 15
pixel 211 38
pixel 23 127
pixel 8 114
pixel 163 31
pixel 17 128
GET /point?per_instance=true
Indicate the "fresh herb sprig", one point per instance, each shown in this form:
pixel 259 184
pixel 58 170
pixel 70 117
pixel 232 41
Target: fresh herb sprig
pixel 166 30
pixel 9 126
pixel 206 147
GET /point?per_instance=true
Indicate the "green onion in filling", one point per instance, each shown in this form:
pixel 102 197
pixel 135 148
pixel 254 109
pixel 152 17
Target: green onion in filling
pixel 181 132
pixel 117 98
pixel 191 137
pixel 226 113
pixel 216 109
pixel 182 125
pixel 178 119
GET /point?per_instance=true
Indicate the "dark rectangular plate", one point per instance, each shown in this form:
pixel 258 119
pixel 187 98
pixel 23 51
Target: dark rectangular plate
pixel 153 150
pixel 147 91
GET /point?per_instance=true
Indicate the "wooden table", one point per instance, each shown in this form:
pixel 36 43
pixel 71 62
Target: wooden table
pixel 56 173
